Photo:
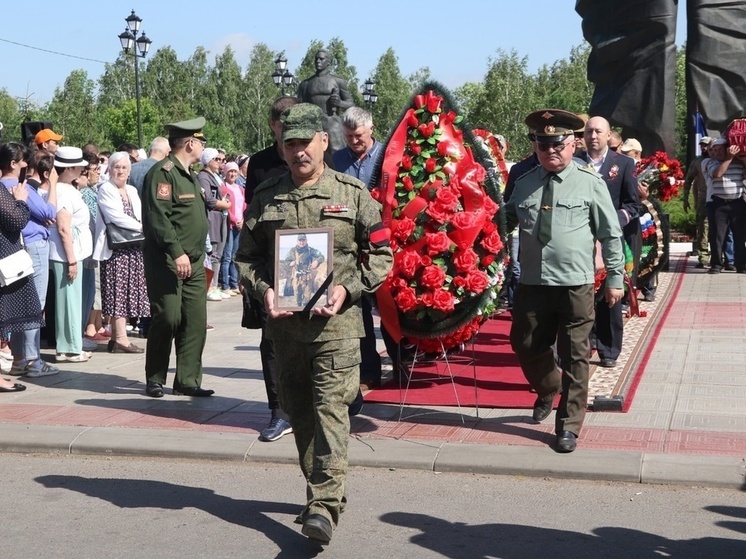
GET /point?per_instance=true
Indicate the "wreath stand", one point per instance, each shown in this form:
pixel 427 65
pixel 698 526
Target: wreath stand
pixel 405 376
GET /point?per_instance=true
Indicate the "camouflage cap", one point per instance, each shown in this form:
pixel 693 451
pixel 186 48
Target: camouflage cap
pixel 301 122
pixel 553 124
pixel 302 237
pixel 187 129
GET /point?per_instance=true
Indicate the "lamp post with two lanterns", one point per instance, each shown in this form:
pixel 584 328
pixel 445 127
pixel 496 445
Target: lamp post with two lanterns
pixel 282 76
pixel 369 92
pixel 129 38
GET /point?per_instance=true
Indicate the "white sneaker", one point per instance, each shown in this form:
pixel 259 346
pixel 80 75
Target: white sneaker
pixel 214 295
pixel 224 294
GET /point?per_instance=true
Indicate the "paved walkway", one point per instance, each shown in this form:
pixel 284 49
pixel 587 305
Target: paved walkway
pixel 687 422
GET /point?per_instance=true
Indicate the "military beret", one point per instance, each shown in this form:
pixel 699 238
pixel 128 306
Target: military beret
pixel 553 124
pixel 301 122
pixel 187 129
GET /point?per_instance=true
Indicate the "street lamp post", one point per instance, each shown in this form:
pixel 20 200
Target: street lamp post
pixel 129 38
pixel 369 93
pixel 282 76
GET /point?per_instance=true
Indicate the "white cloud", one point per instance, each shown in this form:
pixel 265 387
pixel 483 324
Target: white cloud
pixel 241 43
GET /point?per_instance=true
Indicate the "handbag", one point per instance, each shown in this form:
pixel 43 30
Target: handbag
pixel 14 267
pixel 118 237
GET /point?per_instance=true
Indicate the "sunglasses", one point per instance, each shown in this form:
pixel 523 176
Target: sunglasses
pixel 615 148
pixel 103 160
pixel 546 146
pixel 220 159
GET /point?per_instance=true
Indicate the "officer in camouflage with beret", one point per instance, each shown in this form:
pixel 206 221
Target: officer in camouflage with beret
pixel 318 352
pixel 175 229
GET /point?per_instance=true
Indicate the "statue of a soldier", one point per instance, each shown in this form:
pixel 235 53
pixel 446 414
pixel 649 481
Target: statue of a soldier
pixel 329 92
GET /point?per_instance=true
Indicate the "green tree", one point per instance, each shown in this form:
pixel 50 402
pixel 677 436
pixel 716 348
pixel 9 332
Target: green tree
pixel 259 92
pixel 393 93
pixel 74 113
pixel 508 95
pixel 166 82
pixel 564 84
pixel 222 103
pixel 121 122
pixel 10 117
pixel 117 83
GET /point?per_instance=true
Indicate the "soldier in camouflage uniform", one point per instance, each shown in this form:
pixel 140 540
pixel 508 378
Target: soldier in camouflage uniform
pixel 318 352
pixel 303 262
pixel 175 229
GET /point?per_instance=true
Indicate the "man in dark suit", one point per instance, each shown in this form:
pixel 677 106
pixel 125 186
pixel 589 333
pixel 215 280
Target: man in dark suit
pixel 618 171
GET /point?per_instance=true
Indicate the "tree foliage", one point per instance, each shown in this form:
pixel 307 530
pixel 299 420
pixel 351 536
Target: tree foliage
pixel 393 92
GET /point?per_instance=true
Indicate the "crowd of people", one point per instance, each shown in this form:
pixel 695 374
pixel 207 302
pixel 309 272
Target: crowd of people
pixel 200 227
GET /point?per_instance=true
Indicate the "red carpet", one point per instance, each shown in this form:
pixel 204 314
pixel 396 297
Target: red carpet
pixel 500 382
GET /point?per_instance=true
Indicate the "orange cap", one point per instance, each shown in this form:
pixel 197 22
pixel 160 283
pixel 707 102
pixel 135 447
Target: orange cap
pixel 46 135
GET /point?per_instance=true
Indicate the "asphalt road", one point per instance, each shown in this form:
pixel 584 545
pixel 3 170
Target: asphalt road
pixel 88 507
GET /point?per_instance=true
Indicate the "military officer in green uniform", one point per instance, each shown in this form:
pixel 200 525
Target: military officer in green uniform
pixel 561 210
pixel 318 352
pixel 175 229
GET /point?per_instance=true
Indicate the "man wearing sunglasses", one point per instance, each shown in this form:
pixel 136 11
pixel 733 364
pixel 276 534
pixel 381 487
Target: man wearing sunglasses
pixel 561 210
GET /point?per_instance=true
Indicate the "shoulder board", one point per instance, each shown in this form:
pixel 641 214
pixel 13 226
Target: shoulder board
pixel 588 170
pixel 269 183
pixel 348 179
pixel 168 165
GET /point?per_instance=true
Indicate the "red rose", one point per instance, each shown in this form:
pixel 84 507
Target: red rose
pixel 406 299
pixel 433 277
pixel 412 120
pixel 465 260
pixel 437 243
pixel 490 206
pixel 487 260
pixel 492 242
pixel 459 281
pixel 477 281
pixel 406 163
pixel 407 262
pixel 407 183
pixel 430 165
pixel 463 220
pixel 433 102
pixel 419 101
pixel 438 213
pixel 447 148
pixel 415 148
pixel 426 299
pixel 427 129
pixel 426 260
pixel 447 119
pixel 489 227
pixel 403 228
pixel 442 300
pixel 398 282
pixel 446 198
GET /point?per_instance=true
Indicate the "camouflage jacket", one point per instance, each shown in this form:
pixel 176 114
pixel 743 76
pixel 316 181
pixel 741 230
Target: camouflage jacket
pixel 362 257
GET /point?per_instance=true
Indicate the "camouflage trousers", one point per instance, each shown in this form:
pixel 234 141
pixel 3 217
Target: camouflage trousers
pixel 702 239
pixel 316 383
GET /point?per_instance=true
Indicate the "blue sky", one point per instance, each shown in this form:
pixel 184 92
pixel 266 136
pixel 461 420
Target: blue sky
pixel 542 30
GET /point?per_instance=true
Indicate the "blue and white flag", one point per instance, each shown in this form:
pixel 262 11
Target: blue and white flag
pixel 699 132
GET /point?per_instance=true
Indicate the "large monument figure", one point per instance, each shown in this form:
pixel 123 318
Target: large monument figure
pixel 633 64
pixel 329 92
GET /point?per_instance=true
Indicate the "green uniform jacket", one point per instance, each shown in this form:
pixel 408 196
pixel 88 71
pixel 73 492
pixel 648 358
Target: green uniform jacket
pixel 362 257
pixel 582 213
pixel 174 215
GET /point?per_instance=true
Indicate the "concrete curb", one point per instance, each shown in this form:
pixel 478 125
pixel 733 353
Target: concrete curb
pixel 631 467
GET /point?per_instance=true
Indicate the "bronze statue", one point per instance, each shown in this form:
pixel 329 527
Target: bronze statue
pixel 329 92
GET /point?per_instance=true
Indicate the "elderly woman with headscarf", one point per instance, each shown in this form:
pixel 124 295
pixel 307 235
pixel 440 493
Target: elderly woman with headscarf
pixel 123 291
pixel 70 244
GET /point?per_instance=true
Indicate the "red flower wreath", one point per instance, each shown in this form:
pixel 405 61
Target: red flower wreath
pixel 662 174
pixel 445 238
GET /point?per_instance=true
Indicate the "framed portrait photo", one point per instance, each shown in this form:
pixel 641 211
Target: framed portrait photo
pixel 303 268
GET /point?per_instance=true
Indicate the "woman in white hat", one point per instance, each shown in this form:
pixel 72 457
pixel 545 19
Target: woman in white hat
pixel 70 243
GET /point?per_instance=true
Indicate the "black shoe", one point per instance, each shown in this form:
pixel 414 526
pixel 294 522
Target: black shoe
pixel 357 406
pixel 154 389
pixel 650 298
pixel 700 265
pixel 729 268
pixel 276 429
pixel 714 270
pixel 318 528
pixel 608 363
pixel 542 408
pixel 195 391
pixel 566 441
